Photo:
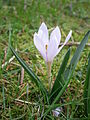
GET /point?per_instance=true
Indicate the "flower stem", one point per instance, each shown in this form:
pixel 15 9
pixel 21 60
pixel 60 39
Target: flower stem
pixel 49 74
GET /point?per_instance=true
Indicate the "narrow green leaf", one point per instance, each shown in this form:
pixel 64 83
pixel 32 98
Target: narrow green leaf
pixel 57 98
pixel 87 91
pixel 68 73
pixel 3 93
pixel 79 50
pixel 59 80
pixel 34 78
pixel 10 116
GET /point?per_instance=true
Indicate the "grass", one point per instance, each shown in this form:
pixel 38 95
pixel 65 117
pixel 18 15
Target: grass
pixel 67 15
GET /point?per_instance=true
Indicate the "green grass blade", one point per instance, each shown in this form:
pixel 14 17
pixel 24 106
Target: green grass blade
pixel 76 56
pixel 63 89
pixel 87 91
pixel 68 73
pixel 3 93
pixel 34 78
pixel 79 50
pixel 59 80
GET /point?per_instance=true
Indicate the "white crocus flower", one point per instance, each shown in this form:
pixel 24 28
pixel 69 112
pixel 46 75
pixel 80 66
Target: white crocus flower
pixel 49 48
pixel 57 111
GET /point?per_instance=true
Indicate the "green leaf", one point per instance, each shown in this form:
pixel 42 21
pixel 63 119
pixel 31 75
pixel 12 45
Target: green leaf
pixel 79 50
pixel 3 94
pixel 59 82
pixel 76 56
pixel 34 78
pixel 68 73
pixel 87 91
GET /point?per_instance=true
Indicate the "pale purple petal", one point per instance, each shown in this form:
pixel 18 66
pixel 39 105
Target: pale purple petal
pixel 57 111
pixel 52 49
pixel 43 33
pixel 56 35
pixel 39 45
pixel 53 44
pixel 67 38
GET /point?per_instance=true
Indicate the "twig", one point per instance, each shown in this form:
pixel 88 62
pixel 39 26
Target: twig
pixel 15 64
pixel 5 54
pixel 4 81
pixel 11 59
pixel 22 75
pixel 23 94
pixel 25 4
pixel 74 44
pixel 22 101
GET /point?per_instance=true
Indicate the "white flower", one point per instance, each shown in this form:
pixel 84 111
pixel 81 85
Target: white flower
pixel 57 111
pixel 49 47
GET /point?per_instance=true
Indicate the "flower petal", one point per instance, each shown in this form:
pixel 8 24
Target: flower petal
pixel 52 49
pixel 43 33
pixel 53 44
pixel 56 34
pixel 39 45
pixel 57 111
pixel 67 38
